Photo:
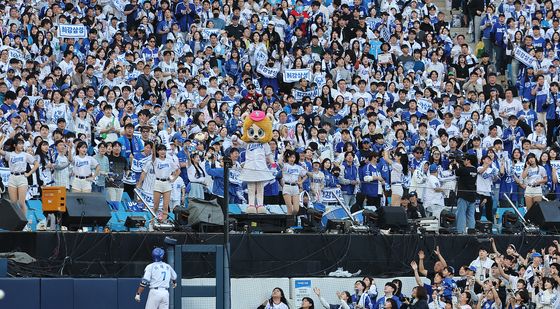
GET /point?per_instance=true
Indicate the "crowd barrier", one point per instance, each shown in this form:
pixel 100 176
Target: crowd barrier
pixel 110 293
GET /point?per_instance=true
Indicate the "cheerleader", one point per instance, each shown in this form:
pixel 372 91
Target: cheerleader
pixel 293 176
pixel 534 176
pixel 17 162
pixel 166 170
pixel 82 169
pixel 399 168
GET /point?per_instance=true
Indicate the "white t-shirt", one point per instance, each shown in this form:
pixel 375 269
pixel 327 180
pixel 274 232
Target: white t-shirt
pixel 431 196
pixel 18 161
pixel 510 108
pixel 159 274
pixel 83 166
pixel 276 306
pixel 176 189
pixel 484 181
pixel 535 174
pixel 291 173
pixel 164 168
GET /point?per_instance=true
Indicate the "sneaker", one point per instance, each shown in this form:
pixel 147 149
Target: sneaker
pixel 27 228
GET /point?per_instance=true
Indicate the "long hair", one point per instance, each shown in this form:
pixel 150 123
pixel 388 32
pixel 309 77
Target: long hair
pixel 310 301
pixel 282 297
pixel 43 157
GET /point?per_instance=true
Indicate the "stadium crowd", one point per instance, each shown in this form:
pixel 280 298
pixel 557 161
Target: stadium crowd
pixel 493 280
pixel 372 101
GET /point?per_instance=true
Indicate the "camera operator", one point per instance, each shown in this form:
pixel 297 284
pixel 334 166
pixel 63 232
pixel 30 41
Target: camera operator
pixel 466 174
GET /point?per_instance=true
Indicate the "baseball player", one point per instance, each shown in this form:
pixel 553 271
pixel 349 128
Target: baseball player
pixel 157 277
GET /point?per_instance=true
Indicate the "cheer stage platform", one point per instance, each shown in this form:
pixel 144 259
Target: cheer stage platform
pixel 252 255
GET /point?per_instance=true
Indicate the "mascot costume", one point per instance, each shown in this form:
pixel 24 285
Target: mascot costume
pixel 257 132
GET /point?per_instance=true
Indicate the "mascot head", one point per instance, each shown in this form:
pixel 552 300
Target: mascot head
pixel 257 127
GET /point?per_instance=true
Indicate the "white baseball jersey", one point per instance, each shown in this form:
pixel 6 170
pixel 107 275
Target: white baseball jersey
pixel 176 189
pixel 150 178
pixel 159 275
pixel 84 165
pixel 164 168
pixel 18 161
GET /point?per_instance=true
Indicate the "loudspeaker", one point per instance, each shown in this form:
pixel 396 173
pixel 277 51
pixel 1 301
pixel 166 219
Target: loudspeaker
pixel 202 211
pixel 545 214
pixel 85 209
pixel 483 227
pixel 392 217
pixel 11 216
pixel 262 223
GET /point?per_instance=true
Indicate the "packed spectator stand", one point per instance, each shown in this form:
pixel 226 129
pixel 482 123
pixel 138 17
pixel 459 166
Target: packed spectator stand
pixel 493 280
pixel 374 104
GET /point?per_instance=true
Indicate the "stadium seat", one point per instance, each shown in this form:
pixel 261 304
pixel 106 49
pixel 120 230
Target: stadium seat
pixel 114 205
pixel 125 198
pixel 234 209
pixel 35 205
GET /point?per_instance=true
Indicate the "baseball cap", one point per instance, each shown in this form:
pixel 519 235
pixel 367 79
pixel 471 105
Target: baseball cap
pixel 14 115
pixel 413 193
pixel 177 137
pixel 366 140
pixel 215 141
pixel 472 268
pixel 433 168
pixel 536 254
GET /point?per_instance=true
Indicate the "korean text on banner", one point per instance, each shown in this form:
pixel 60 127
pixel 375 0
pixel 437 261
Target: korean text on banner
pixel 72 31
pixel 294 75
pixel 523 56
pixel 267 71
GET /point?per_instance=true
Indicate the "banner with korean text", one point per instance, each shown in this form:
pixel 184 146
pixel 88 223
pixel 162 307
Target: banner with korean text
pixel 72 31
pixel 299 95
pixel 267 71
pixel 294 75
pixel 523 56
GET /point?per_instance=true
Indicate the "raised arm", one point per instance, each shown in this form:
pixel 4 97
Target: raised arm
pixel 416 275
pixel 421 268
pixel 440 257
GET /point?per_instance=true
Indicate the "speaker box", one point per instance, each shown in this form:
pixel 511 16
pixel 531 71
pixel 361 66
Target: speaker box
pixel 11 216
pixel 262 223
pixel 545 215
pixel 392 217
pixel 85 209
